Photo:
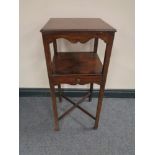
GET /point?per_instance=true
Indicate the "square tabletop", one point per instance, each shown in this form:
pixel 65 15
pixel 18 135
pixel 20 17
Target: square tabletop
pixel 76 24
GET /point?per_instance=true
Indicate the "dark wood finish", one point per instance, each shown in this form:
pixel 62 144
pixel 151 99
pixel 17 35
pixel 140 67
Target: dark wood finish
pixel 54 105
pixel 95 45
pixel 76 105
pixel 91 92
pixel 95 51
pixel 103 82
pixel 76 79
pixel 55 46
pixel 76 24
pixel 59 90
pixel 77 67
pixel 76 63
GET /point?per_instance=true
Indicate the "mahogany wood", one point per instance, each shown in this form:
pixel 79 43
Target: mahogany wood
pixel 76 105
pixel 77 67
pixel 76 63
pixel 95 45
pixel 59 90
pixel 95 51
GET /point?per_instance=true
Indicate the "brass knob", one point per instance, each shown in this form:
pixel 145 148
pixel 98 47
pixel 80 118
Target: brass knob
pixel 78 80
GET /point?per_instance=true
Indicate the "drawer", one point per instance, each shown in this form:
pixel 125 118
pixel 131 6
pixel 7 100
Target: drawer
pixel 75 79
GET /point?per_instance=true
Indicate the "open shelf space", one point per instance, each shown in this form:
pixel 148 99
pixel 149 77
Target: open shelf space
pixel 76 63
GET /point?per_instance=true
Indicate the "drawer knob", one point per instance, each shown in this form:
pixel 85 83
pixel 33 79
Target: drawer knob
pixel 78 80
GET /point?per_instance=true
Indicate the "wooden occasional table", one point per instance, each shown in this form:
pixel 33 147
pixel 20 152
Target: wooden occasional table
pixel 77 67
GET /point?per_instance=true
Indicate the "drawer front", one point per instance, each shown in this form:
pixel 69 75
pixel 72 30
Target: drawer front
pixel 73 80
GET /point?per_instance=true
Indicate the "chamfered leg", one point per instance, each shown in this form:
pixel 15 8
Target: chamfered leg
pixel 91 90
pixel 99 105
pixel 54 105
pixel 59 90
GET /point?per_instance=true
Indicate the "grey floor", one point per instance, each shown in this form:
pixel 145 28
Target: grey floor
pixel 115 135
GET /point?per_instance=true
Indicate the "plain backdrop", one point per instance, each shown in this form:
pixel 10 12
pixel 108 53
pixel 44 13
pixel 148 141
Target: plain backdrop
pixel 35 13
pixel 145 107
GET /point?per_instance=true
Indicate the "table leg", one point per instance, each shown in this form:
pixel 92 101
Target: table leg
pixel 59 91
pixel 54 105
pixel 99 105
pixel 91 90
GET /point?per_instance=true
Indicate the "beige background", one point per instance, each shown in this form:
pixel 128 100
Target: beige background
pixel 35 13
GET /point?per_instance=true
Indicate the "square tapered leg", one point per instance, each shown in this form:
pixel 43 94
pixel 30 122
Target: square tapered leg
pixel 54 105
pixel 99 106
